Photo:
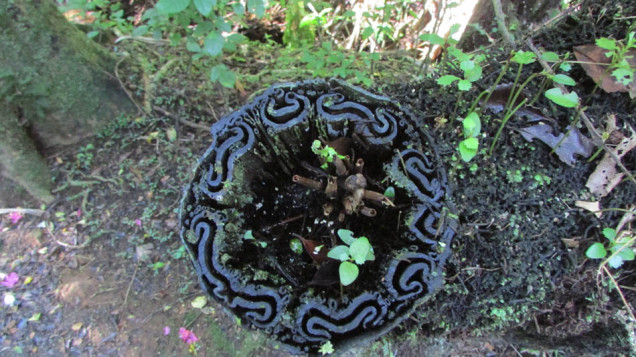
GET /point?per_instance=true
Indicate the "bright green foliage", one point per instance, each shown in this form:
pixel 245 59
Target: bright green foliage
pixel 618 52
pixel 621 248
pixel 524 57
pixel 357 250
pixel 327 153
pixel 549 56
pixel 326 348
pixel 469 147
pixel 296 246
pixel 390 193
pixel 469 66
pixel 248 235
pixel 563 79
pixel 569 100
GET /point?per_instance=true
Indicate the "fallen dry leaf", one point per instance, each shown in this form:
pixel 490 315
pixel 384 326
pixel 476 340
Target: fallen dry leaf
pixel 574 143
pixel 571 242
pixel 315 249
pixel 606 176
pixel 595 64
pixel 594 207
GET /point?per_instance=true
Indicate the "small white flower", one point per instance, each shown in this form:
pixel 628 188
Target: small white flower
pixel 8 299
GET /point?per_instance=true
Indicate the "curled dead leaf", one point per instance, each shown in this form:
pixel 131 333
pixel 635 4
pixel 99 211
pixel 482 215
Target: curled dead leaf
pixel 607 175
pixel 566 148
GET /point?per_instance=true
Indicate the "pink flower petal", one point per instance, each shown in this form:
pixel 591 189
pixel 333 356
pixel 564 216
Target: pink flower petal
pixel 187 336
pixel 138 222
pixel 15 217
pixel 10 280
pixel 166 331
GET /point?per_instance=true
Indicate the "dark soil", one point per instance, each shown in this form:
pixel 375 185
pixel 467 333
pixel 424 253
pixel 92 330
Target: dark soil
pixel 512 288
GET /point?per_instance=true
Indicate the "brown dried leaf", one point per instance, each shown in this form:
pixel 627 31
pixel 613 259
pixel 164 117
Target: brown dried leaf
pixel 327 274
pixel 606 175
pixel 315 249
pixel 594 207
pixel 571 242
pixel 574 143
pixel 595 64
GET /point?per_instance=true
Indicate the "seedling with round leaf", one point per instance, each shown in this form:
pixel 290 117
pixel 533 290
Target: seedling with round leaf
pixel 356 251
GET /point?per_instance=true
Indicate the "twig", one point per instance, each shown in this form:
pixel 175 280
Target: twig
pixel 620 293
pixel 31 211
pixel 501 23
pixel 181 120
pixel 131 283
pixel 70 246
pixel 130 96
pixel 596 136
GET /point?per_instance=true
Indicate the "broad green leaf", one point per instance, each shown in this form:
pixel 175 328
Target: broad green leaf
pixel 348 273
pixel 193 46
pixel 609 233
pixel 344 234
pixel 467 65
pixel 140 30
pixel 570 100
pixel 454 28
pixel 168 7
pixel 626 253
pixel 563 79
pixel 474 74
pixel 468 148
pixel 447 79
pixel 550 56
pixel 464 85
pixel 606 43
pixel 204 6
pixel 213 44
pixel 524 57
pixel 596 251
pixel 199 302
pixel 434 39
pixel 370 256
pixel 227 78
pixel 256 7
pixel 339 252
pixel 367 32
pixel 472 125
pixel 359 250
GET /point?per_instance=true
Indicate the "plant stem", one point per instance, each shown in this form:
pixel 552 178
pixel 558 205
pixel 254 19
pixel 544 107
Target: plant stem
pixel 494 86
pixel 503 123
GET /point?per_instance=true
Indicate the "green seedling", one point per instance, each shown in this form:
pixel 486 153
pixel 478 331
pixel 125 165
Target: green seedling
pixel 356 252
pixel 621 247
pixel 326 153
pixel 470 145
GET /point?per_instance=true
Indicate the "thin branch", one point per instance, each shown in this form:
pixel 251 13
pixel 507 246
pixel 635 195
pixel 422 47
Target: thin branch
pixel 31 211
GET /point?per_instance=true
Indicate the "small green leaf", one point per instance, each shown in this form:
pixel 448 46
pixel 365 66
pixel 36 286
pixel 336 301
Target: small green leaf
pixel 339 252
pixel 432 38
pixel 389 193
pixel 367 32
pixel 348 273
pixel 326 348
pixel 359 250
pixel 35 317
pixel 468 148
pixel 193 46
pixel 472 125
pixel 447 79
pixel 615 261
pixel 524 57
pixel 570 100
pixel 345 234
pixel 167 7
pixel 296 246
pixel 467 65
pixel 223 75
pixel 204 6
pixel 199 302
pixel 550 56
pixel 609 233
pixel 256 7
pixel 464 85
pixel 474 74
pixel 563 79
pixel 248 235
pixel 596 251
pixel 606 43
pixel 626 253
pixel 565 66
pixel 623 76
pixel 92 34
